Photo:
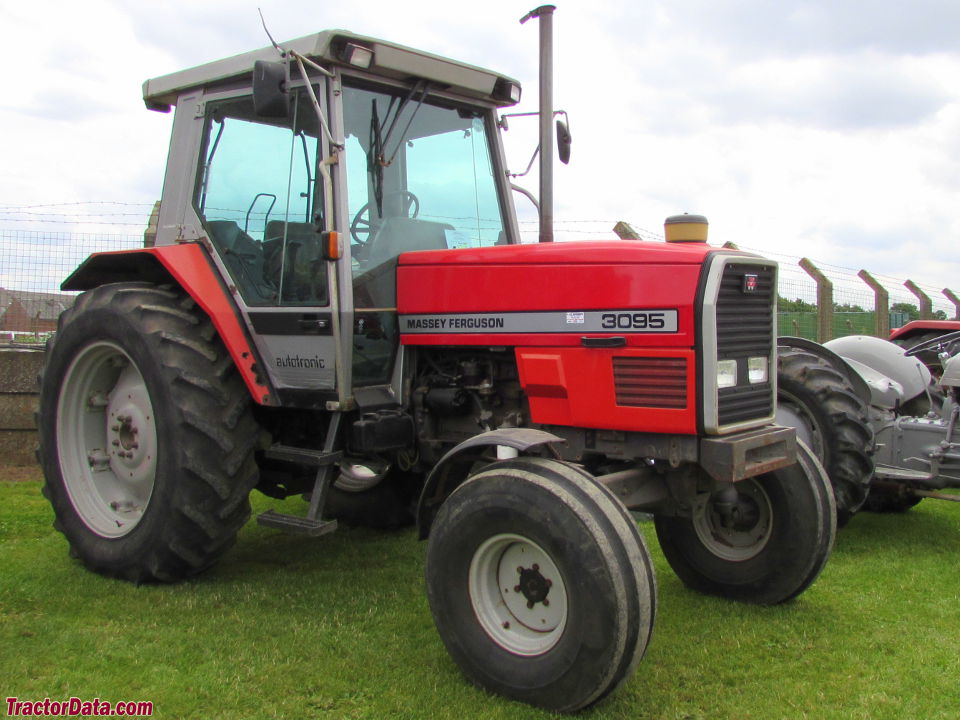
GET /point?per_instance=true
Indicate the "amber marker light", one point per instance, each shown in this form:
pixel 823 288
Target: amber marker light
pixel 332 249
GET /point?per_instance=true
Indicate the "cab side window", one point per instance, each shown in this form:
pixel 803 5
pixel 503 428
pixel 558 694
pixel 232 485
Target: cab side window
pixel 257 196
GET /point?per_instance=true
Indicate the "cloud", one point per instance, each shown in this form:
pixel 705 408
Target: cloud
pixel 759 28
pixel 853 92
pixel 826 129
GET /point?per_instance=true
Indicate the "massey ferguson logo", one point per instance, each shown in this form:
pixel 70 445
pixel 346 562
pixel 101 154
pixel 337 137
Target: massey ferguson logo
pixel 750 284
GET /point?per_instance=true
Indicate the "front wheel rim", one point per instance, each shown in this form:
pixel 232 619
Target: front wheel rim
pixel 518 594
pixel 107 439
pixel 732 540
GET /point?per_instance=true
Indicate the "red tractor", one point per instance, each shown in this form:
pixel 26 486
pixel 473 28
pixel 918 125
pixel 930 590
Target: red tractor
pixel 338 306
pixel 916 332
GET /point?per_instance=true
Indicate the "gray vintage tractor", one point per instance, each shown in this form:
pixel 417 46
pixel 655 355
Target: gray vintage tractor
pixel 883 427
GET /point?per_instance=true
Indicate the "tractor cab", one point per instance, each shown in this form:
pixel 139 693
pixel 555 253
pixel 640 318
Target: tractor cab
pixel 309 170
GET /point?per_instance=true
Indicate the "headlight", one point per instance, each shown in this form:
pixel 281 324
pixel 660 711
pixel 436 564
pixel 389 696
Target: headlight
pixel 726 373
pixel 757 370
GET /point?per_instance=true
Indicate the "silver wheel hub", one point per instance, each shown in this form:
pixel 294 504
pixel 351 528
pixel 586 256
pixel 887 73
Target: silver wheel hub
pixel 107 437
pixel 518 594
pixel 735 528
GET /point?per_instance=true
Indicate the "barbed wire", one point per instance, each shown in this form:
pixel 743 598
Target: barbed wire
pixel 37 259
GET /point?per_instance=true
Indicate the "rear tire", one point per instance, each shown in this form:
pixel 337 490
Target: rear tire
pixel 890 500
pixel 770 557
pixel 830 417
pixel 540 584
pixel 146 434
pixel 387 505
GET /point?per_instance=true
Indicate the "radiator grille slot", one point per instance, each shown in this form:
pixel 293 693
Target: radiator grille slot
pixel 650 382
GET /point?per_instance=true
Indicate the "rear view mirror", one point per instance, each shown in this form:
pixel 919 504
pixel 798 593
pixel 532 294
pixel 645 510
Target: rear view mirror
pixel 563 142
pixel 271 98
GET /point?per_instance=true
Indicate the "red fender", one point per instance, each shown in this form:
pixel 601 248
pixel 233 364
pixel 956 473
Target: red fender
pixel 189 265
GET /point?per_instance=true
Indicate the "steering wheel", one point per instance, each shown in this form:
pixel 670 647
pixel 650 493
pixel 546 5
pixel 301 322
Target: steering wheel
pixel 360 227
pixel 933 343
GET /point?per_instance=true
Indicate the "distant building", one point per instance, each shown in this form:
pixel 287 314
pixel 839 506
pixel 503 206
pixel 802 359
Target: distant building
pixel 34 312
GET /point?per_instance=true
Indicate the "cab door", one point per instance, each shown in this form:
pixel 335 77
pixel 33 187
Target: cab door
pixel 260 200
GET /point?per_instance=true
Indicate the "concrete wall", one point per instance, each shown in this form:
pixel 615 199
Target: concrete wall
pixel 18 401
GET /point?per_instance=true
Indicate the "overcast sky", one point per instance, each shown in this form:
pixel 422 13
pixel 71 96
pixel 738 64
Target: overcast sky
pixel 829 128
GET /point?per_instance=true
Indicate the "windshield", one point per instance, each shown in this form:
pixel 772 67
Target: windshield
pixel 419 175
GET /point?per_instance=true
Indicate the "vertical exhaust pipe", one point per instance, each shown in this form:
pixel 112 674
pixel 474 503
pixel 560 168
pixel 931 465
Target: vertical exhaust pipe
pixel 545 14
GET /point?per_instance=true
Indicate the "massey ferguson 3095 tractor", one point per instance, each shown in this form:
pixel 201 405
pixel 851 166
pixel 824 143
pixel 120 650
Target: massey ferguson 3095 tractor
pixel 338 305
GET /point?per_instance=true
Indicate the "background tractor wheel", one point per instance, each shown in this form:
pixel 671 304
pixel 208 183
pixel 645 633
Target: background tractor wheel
pixel 770 549
pixel 540 584
pixel 895 499
pixel 146 434
pixel 829 416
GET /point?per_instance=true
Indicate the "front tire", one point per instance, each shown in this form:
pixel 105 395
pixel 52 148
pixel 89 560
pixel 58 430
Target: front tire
pixel 776 547
pixel 540 584
pixel 146 434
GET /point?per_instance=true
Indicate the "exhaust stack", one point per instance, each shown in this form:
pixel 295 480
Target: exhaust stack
pixel 545 14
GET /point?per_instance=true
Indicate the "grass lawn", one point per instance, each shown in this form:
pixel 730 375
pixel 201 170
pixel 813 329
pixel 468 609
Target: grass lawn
pixel 339 628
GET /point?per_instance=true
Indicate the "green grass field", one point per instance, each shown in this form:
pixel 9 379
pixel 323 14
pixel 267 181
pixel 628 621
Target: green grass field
pixel 339 628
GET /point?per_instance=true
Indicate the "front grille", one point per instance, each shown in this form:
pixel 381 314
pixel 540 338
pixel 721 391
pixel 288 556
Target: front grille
pixel 650 382
pixel 745 328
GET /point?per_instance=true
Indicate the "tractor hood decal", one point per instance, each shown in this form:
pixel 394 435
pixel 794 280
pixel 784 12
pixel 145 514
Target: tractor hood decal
pixel 656 320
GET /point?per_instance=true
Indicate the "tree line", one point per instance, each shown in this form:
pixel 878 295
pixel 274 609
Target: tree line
pixel 802 306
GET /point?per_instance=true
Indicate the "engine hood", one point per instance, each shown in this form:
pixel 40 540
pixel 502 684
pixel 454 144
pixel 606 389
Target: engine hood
pixel 600 252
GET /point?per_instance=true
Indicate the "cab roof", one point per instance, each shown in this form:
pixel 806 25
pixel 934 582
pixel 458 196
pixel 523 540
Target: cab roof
pixel 326 48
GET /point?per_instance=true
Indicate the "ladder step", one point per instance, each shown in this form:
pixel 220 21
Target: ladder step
pixel 295 524
pixel 302 456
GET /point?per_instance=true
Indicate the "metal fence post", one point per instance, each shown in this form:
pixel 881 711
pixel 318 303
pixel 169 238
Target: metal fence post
pixel 952 297
pixel 881 305
pixel 926 307
pixel 824 300
pixel 625 231
pixel 150 234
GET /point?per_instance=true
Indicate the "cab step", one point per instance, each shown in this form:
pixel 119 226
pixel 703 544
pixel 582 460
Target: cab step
pixel 302 456
pixel 325 461
pixel 296 525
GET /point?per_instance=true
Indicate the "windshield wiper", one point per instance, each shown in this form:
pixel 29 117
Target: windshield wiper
pixel 377 159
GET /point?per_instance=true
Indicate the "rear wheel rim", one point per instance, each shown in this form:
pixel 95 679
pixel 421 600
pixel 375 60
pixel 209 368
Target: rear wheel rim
pixel 107 437
pixel 736 542
pixel 518 594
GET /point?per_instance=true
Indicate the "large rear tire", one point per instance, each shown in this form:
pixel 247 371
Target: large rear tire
pixel 775 548
pixel 387 505
pixel 540 584
pixel 146 434
pixel 821 404
pixel 894 499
